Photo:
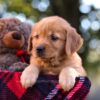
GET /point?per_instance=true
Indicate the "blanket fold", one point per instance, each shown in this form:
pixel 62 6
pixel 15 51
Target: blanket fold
pixel 46 88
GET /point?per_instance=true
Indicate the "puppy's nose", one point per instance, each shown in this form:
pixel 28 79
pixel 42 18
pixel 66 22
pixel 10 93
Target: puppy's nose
pixel 16 36
pixel 40 50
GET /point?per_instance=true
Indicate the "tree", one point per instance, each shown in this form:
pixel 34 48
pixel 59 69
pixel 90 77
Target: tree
pixel 68 9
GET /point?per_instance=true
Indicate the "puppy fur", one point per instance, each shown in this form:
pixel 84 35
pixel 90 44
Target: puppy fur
pixel 59 42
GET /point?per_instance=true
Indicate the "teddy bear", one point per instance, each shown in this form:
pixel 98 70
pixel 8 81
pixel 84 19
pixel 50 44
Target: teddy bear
pixel 13 41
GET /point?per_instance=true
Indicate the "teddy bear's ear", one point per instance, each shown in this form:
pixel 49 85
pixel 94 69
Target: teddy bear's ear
pixel 29 45
pixel 2 26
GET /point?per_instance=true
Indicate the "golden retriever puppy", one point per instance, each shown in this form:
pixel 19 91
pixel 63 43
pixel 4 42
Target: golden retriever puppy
pixel 53 44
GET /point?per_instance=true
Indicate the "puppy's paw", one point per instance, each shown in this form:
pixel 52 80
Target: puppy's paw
pixel 29 76
pixel 66 82
pixel 67 78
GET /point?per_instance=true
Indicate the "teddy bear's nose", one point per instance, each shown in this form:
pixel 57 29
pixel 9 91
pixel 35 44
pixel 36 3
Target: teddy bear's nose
pixel 16 36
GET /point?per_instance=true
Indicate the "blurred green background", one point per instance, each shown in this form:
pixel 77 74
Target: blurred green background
pixel 84 15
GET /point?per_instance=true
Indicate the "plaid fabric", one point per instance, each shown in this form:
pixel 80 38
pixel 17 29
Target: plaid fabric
pixel 23 56
pixel 46 88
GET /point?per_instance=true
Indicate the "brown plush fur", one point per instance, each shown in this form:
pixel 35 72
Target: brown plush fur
pixel 61 42
pixel 8 44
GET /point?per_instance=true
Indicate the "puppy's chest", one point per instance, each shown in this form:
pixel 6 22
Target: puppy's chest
pixel 52 68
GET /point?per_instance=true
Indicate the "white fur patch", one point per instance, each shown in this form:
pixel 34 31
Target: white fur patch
pixel 67 78
pixel 29 76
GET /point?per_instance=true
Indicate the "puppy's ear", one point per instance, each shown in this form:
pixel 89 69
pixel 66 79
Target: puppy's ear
pixel 29 49
pixel 73 41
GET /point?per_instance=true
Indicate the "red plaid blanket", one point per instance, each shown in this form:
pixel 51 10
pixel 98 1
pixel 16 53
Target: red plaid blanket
pixel 46 88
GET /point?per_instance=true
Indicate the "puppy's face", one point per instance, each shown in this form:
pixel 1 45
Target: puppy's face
pixel 53 37
pixel 47 44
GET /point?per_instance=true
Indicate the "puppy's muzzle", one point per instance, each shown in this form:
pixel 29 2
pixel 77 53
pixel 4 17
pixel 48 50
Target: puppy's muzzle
pixel 40 50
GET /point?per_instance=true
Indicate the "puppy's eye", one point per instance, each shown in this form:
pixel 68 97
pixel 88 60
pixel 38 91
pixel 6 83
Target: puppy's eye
pixel 54 38
pixel 36 36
